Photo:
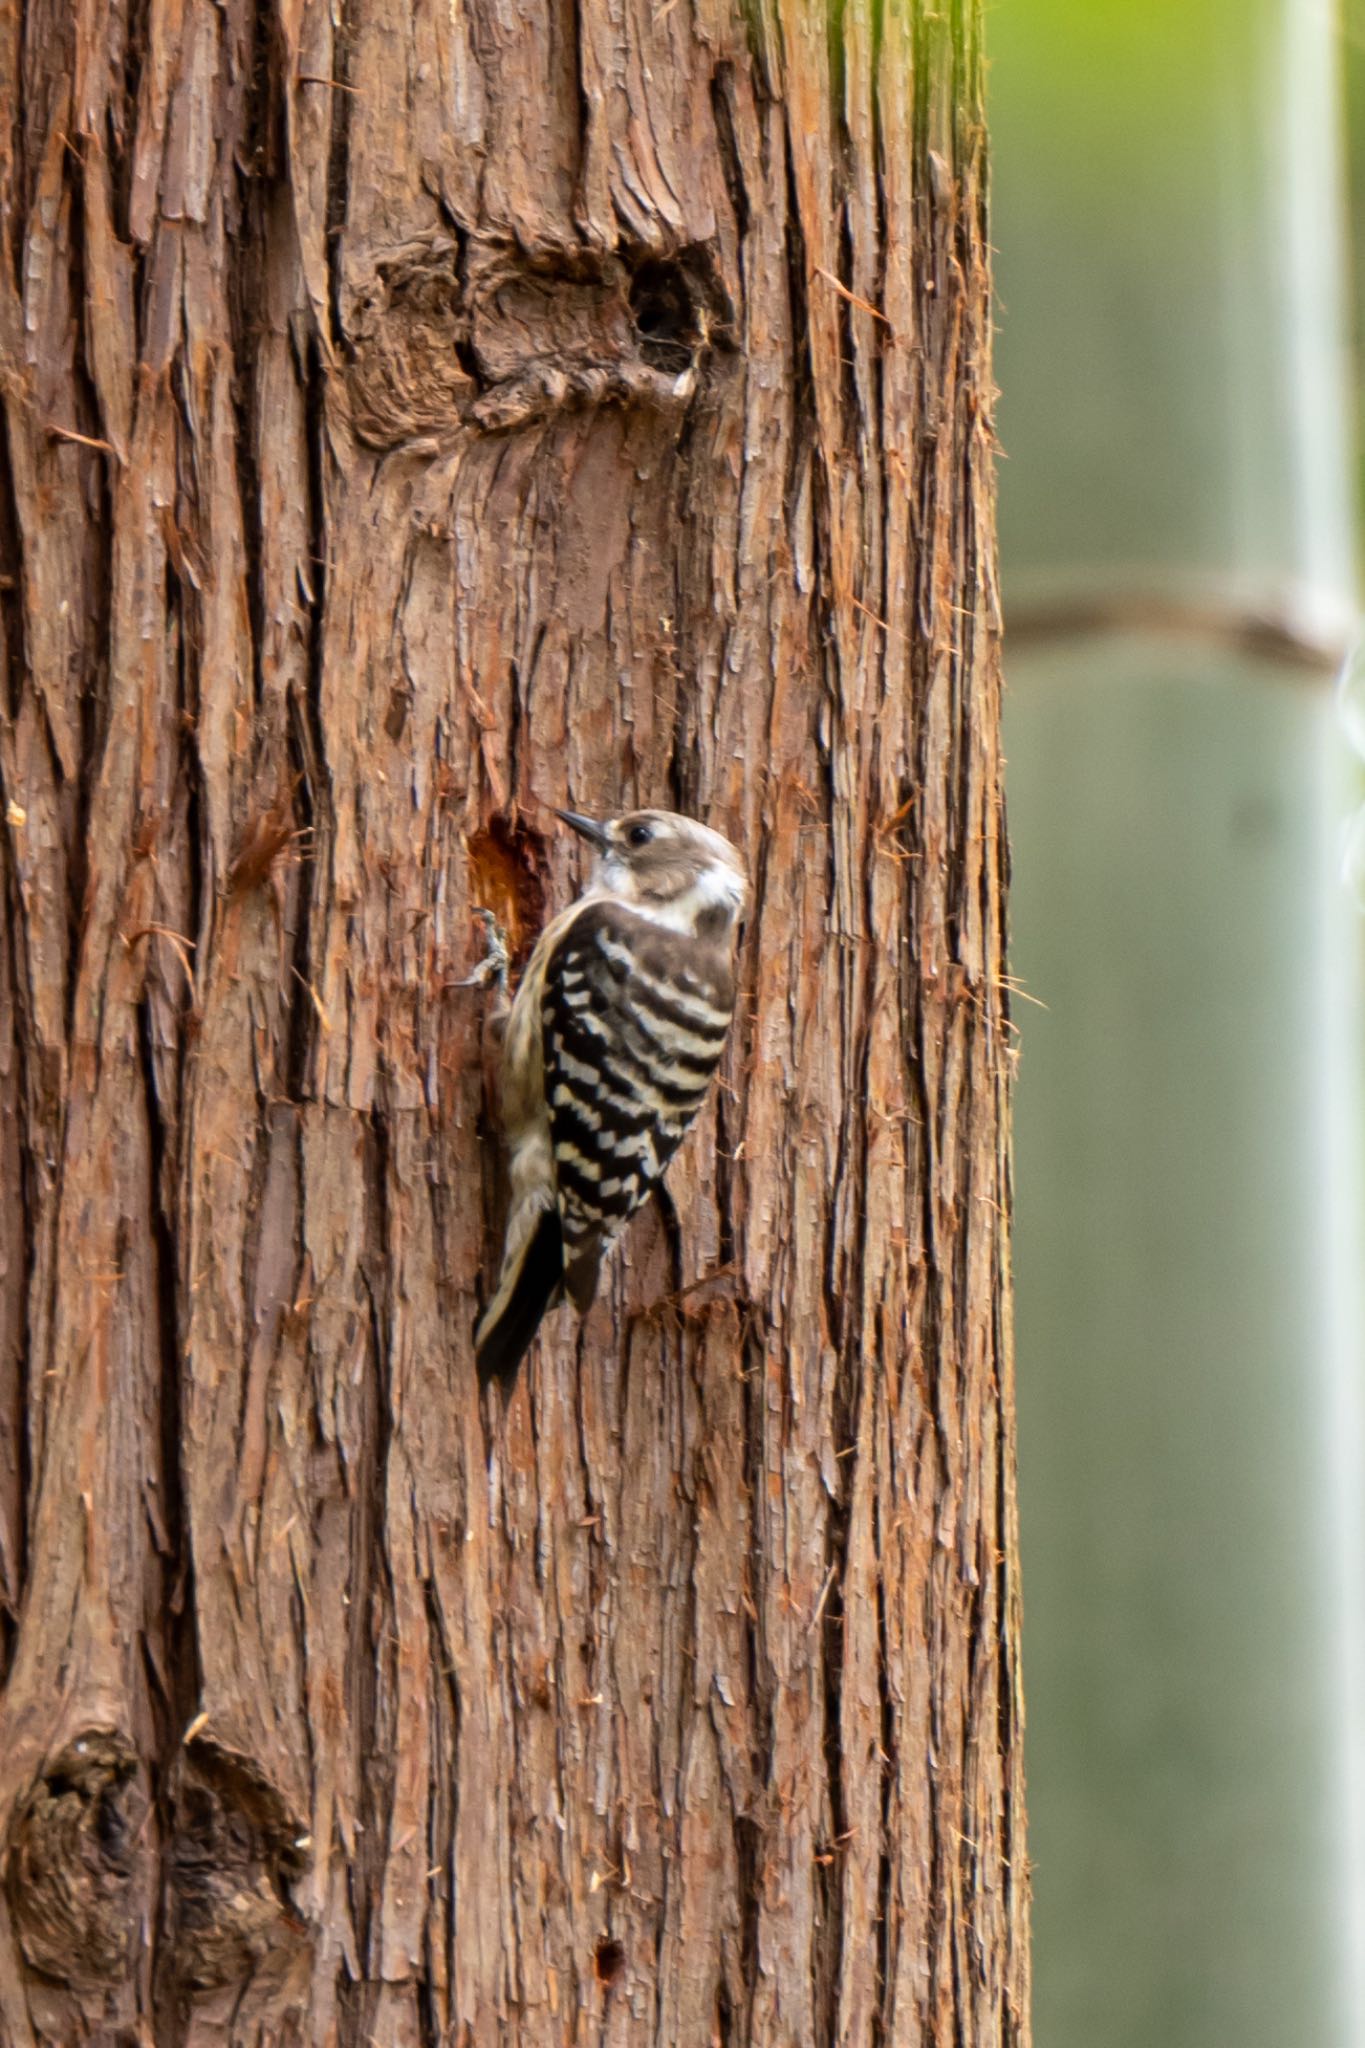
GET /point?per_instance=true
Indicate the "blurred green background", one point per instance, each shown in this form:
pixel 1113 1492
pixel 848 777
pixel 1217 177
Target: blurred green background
pixel 1173 218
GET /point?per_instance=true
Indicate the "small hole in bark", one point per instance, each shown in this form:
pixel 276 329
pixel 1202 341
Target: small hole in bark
pixel 396 717
pixel 609 1961
pixel 664 309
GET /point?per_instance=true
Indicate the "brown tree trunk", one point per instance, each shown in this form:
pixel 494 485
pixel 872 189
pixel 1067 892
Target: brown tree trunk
pixel 416 415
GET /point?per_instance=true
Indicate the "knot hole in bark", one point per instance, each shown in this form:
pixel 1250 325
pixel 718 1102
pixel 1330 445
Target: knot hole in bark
pixel 234 1850
pixel 75 1866
pixel 450 333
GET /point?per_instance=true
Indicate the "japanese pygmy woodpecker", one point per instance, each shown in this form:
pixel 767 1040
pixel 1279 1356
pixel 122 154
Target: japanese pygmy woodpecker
pixel 614 1034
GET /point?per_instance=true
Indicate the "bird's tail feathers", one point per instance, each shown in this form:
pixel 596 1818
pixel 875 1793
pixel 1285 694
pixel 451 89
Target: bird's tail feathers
pixel 527 1285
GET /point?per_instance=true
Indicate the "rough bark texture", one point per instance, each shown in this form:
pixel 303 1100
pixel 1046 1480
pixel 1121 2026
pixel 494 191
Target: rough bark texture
pixel 416 415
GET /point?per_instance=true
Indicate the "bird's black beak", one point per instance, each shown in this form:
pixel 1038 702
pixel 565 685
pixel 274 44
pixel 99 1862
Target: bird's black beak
pixel 587 828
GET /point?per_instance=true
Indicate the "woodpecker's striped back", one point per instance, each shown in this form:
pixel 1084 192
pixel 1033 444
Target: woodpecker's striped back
pixel 634 1020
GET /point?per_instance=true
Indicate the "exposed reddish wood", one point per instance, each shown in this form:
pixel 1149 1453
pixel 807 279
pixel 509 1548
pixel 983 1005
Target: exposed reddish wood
pixel 415 417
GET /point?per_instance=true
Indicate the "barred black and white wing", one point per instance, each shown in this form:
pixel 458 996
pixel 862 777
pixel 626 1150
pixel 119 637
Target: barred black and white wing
pixel 634 1019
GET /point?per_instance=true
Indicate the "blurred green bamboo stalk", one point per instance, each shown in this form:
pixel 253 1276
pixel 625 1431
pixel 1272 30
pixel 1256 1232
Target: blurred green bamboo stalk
pixel 1177 541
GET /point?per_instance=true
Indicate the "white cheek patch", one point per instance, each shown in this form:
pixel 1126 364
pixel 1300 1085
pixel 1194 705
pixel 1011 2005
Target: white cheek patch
pixel 726 887
pixel 715 888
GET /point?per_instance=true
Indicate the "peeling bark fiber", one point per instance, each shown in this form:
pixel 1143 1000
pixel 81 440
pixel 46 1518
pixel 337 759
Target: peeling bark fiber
pixel 417 414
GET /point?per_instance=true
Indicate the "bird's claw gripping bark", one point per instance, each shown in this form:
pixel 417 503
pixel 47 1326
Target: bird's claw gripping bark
pixel 492 970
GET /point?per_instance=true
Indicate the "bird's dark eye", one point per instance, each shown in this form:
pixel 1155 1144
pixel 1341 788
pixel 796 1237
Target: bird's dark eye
pixel 639 835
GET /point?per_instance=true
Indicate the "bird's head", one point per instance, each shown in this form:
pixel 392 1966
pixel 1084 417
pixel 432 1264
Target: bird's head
pixel 671 869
